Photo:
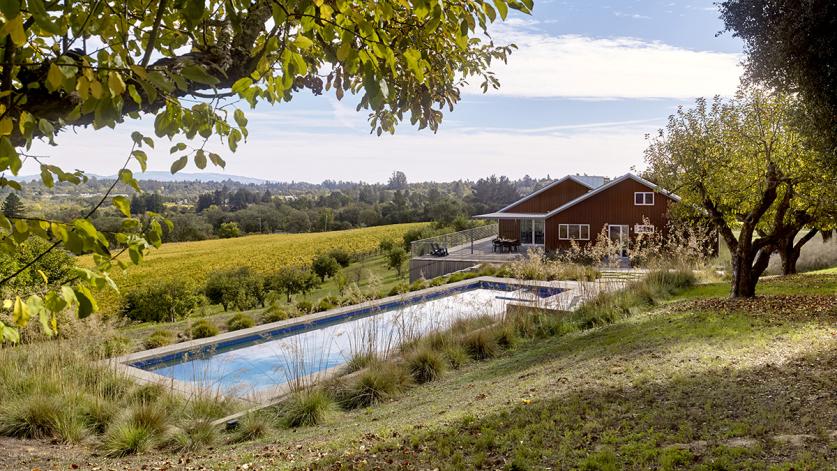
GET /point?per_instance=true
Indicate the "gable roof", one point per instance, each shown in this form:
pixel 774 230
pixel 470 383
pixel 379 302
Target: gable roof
pixel 610 184
pixel 577 179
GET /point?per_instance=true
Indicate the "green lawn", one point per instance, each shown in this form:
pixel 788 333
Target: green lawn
pixel 696 383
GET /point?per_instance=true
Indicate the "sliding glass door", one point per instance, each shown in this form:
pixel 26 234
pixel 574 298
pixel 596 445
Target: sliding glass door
pixel 531 232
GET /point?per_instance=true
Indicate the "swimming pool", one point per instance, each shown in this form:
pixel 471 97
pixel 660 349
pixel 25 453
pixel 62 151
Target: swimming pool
pixel 251 364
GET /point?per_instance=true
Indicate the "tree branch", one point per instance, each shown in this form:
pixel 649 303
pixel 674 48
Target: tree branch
pixel 152 36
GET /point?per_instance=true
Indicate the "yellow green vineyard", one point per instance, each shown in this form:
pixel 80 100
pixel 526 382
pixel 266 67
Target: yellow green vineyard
pixel 193 261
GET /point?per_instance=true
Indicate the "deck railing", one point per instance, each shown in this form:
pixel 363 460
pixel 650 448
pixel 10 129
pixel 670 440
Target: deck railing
pixel 455 241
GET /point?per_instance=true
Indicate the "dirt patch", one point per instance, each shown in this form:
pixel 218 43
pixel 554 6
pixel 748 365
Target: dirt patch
pixel 783 307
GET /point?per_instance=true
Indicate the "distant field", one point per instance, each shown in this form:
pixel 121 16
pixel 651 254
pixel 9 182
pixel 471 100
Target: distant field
pixel 193 261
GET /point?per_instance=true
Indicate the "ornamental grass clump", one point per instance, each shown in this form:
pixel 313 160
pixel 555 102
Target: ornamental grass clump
pixel 240 321
pixel 306 408
pixel 159 338
pixel 425 365
pixel 251 427
pixel 203 329
pixel 378 383
pixel 481 344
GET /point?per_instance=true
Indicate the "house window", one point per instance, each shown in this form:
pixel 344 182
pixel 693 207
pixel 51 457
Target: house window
pixel 574 231
pixel 531 232
pixel 644 198
pixel 644 229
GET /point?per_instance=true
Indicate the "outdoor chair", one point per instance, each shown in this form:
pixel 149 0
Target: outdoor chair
pixel 438 250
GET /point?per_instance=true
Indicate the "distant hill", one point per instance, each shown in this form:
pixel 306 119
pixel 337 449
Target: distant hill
pixel 168 177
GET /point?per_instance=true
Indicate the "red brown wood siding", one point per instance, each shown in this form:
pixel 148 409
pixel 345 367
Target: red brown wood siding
pixel 614 205
pixel 509 228
pixel 550 199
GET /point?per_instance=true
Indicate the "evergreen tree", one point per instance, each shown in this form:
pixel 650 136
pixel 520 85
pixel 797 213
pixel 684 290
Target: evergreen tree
pixel 12 206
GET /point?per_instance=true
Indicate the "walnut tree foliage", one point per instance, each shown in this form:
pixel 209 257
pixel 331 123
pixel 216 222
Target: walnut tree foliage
pixel 195 65
pixel 744 166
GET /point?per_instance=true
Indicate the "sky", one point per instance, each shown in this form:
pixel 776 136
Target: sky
pixel 589 81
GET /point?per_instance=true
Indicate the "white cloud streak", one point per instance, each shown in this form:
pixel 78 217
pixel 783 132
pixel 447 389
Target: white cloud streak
pixel 573 66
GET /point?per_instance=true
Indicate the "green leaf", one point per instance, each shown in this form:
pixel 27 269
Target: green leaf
pixel 42 18
pixel 141 157
pixel 240 119
pixel 46 177
pixel 86 302
pixel 116 84
pixel 196 73
pixel 10 8
pixel 123 204
pixel 200 159
pixel 502 8
pixel 55 78
pixel 179 164
pixel 9 334
pixel 216 160
pixel 20 313
pixel 303 42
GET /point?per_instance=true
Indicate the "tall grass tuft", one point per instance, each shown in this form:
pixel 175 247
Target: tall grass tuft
pixel 251 427
pixel 425 365
pixel 306 408
pixel 481 344
pixel 377 383
pixel 126 438
pixel 34 416
pixel 360 360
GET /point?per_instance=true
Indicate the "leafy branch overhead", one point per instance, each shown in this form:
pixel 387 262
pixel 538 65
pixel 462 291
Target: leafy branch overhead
pixel 189 63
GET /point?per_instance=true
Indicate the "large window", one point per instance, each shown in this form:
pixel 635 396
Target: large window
pixel 644 198
pixel 531 232
pixel 574 231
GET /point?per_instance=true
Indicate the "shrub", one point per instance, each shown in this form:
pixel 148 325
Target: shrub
pixel 274 314
pixel 162 301
pixel 341 256
pixel 228 230
pixel 377 383
pixel 421 283
pixel 481 344
pixel 236 289
pixel 325 265
pixel 399 288
pixel 159 338
pixel 240 321
pixel 304 306
pixel 203 329
pixel 386 245
pixel 305 408
pixel 396 259
pixel 251 427
pixel 425 365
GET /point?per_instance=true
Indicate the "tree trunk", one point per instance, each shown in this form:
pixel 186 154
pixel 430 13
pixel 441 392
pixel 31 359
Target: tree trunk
pixel 743 285
pixel 747 267
pixel 789 251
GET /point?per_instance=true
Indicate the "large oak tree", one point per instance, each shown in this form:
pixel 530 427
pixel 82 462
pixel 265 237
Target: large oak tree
pixel 189 63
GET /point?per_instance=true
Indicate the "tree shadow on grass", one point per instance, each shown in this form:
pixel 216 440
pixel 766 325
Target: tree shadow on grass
pixel 719 419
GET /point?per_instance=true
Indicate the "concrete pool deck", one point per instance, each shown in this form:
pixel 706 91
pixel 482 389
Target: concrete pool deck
pixel 572 294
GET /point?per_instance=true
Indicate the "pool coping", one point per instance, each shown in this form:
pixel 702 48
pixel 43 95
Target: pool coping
pixel 125 363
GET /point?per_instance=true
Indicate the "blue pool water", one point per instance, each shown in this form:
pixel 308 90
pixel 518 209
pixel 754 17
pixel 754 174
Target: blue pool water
pixel 272 360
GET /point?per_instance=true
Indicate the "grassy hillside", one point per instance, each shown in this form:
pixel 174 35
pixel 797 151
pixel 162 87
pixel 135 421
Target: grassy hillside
pixel 193 261
pixel 700 382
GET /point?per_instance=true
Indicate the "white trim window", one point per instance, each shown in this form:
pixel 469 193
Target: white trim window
pixel 644 198
pixel 644 229
pixel 574 231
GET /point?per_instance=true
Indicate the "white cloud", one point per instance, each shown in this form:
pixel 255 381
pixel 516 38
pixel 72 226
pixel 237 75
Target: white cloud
pixel 584 67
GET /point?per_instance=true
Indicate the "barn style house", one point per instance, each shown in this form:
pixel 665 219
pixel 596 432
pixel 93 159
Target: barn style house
pixel 578 207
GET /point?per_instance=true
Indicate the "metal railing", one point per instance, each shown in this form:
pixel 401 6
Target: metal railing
pixel 455 241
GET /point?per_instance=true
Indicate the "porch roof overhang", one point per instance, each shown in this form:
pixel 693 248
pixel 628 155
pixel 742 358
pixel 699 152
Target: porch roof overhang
pixel 501 215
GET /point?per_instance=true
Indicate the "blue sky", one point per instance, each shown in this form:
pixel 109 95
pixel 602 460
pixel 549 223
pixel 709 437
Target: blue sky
pixel 590 80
